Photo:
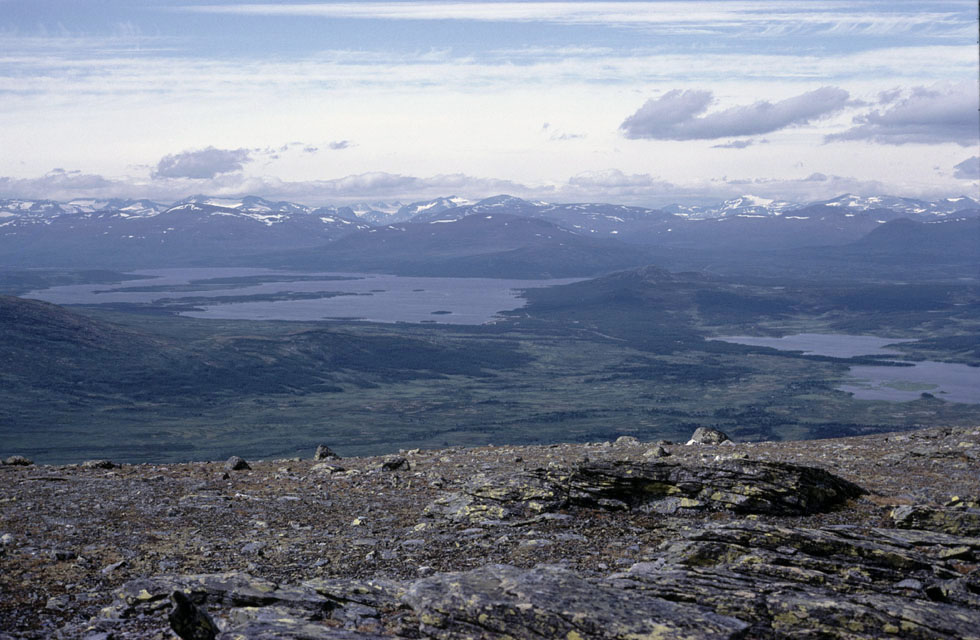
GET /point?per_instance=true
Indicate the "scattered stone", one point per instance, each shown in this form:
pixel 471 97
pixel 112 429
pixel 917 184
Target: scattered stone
pixel 253 547
pixel 63 555
pixel 106 570
pixel 707 435
pixel 326 467
pixel 236 463
pixel 99 464
pixel 19 461
pixel 58 603
pixel 656 452
pixel 626 440
pixel 323 452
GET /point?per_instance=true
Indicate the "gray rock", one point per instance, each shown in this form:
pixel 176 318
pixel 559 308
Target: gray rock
pixel 796 582
pixel 189 621
pixel 277 623
pixel 99 464
pixel 150 596
pixel 958 520
pixel 19 461
pixel 395 463
pixel 499 601
pixel 253 547
pixel 656 452
pixel 62 555
pixel 707 435
pixel 626 440
pixel 327 467
pixel 740 486
pixel 109 568
pixel 236 463
pixel 323 452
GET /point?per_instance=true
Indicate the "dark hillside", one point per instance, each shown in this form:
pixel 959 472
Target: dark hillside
pixel 498 245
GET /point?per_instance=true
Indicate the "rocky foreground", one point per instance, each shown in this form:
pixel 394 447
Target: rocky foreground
pixel 863 537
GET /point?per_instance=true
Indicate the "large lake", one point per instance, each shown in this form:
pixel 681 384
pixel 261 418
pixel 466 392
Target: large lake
pixel 950 381
pixel 369 297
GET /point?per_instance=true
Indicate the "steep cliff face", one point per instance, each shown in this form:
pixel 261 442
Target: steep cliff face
pixel 865 537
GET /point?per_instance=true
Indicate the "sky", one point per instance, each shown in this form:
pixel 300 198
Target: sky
pixel 642 103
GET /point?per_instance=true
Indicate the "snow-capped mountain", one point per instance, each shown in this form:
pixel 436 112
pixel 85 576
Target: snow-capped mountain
pixel 379 212
pixel 910 206
pixel 143 233
pixel 204 228
pixel 748 205
pixel 430 209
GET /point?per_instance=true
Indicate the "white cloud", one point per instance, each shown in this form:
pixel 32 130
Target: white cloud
pixel 927 115
pixel 202 164
pixel 679 115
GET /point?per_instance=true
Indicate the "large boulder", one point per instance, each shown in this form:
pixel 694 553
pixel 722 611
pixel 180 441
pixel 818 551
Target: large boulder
pixel 707 435
pixel 236 463
pixel 740 486
pixel 323 452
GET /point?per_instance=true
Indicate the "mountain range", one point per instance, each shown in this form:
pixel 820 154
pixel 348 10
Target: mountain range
pixel 500 236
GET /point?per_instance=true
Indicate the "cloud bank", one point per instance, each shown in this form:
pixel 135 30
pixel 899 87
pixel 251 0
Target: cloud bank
pixel 609 185
pixel 680 115
pixel 926 115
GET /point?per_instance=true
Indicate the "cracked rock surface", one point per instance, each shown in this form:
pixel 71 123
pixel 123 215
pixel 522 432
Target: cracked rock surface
pixel 876 536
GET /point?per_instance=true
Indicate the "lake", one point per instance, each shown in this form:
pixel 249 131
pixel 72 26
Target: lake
pixel 351 296
pixel 952 382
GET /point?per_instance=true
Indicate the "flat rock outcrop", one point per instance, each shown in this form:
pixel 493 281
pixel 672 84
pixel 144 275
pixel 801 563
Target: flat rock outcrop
pixel 864 537
pixel 737 485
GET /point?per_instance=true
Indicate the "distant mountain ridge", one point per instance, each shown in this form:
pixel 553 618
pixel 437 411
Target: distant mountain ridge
pixel 380 212
pixel 210 231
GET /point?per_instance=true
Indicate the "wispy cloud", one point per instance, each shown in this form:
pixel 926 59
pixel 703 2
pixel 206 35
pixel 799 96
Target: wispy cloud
pixel 927 115
pixel 739 144
pixel 763 17
pixel 680 115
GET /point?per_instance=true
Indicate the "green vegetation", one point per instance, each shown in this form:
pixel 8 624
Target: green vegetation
pixel 627 354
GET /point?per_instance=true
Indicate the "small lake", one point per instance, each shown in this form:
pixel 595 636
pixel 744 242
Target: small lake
pixel 320 296
pixel 952 382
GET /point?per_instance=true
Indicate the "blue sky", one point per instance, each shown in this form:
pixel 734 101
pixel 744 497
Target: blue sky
pixel 638 102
